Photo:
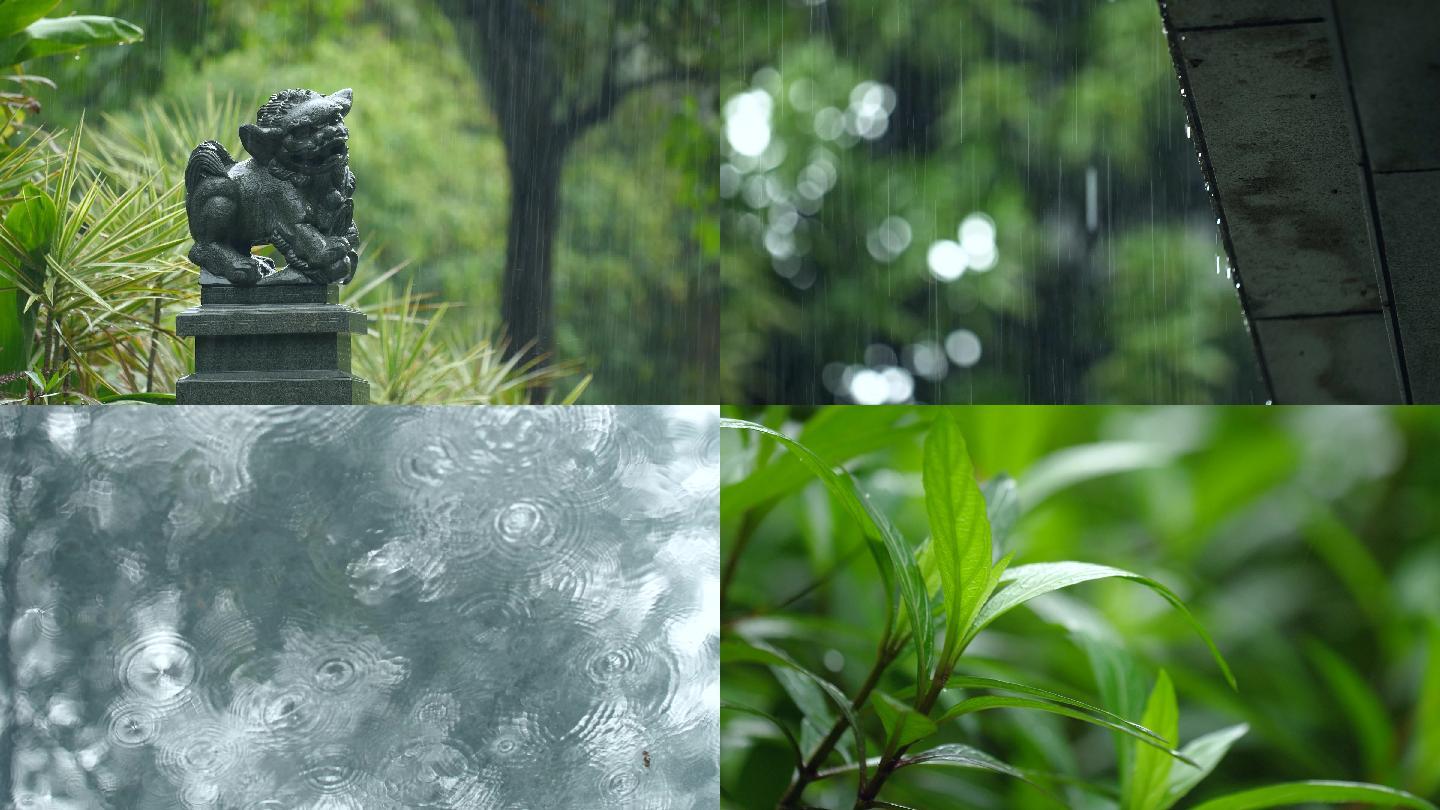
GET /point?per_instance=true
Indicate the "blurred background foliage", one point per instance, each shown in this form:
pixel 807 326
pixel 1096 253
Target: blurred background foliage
pixel 987 201
pixel 636 228
pixel 1307 541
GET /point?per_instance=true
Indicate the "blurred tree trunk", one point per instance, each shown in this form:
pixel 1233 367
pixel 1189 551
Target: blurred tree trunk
pixel 527 288
pixel 515 47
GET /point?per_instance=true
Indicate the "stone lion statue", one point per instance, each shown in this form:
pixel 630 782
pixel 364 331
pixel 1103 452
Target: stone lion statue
pixel 295 192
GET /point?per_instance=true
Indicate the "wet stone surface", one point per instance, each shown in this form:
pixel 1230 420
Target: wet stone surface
pixel 362 608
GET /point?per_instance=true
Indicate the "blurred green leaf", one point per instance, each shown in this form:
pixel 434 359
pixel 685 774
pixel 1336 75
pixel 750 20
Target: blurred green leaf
pixel 1323 792
pixel 1361 706
pixel 45 37
pixel 1002 507
pixel 1151 769
pixel 16 14
pixel 1074 465
pixel 1205 751
pixel 1425 750
pixel 774 721
pixel 734 651
pixel 959 529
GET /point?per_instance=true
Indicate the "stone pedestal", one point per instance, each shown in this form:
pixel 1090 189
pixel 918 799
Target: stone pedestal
pixel 282 344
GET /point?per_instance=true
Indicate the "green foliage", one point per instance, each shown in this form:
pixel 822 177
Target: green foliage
pixel 433 185
pixel 26 34
pixel 409 360
pixel 93 264
pixel 869 717
pixel 93 273
pixel 1003 108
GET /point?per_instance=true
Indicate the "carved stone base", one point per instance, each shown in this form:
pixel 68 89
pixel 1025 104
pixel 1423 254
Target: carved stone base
pixel 271 345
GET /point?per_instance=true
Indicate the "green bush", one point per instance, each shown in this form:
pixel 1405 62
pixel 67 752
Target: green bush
pixel 860 665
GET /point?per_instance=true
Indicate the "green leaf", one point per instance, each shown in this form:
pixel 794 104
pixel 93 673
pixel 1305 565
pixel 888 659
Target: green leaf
pixel 1026 582
pixel 903 725
pixel 30 222
pixel 774 721
pixel 1206 752
pixel 987 702
pixel 155 398
pixel 1150 773
pixel 16 14
pixel 959 528
pixel 64 34
pixel 734 651
pixel 971 682
pixel 1366 712
pixel 1074 465
pixel 17 333
pixel 1002 507
pixel 877 526
pixel 962 756
pixel 1292 793
pixel 1119 682
pixel 1425 750
pixel 837 434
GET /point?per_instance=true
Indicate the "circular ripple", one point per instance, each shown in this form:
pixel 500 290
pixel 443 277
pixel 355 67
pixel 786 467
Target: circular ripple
pixel 534 534
pixel 332 770
pixel 431 773
pixel 202 753
pixel 437 711
pixel 617 786
pixel 133 726
pixel 525 523
pixel 427 464
pixel 158 668
pixel 334 674
pixel 336 661
pixel 613 665
pixel 200 794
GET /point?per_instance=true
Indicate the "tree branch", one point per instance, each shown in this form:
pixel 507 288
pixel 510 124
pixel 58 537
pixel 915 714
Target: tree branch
pixel 611 95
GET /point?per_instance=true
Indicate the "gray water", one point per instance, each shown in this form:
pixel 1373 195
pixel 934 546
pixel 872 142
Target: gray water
pixel 360 608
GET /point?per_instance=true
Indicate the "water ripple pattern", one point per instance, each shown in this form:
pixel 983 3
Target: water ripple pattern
pixel 369 608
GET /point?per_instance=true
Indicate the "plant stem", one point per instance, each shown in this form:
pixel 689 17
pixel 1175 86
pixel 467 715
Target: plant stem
pixel 748 524
pixel 811 770
pixel 891 760
pixel 154 346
